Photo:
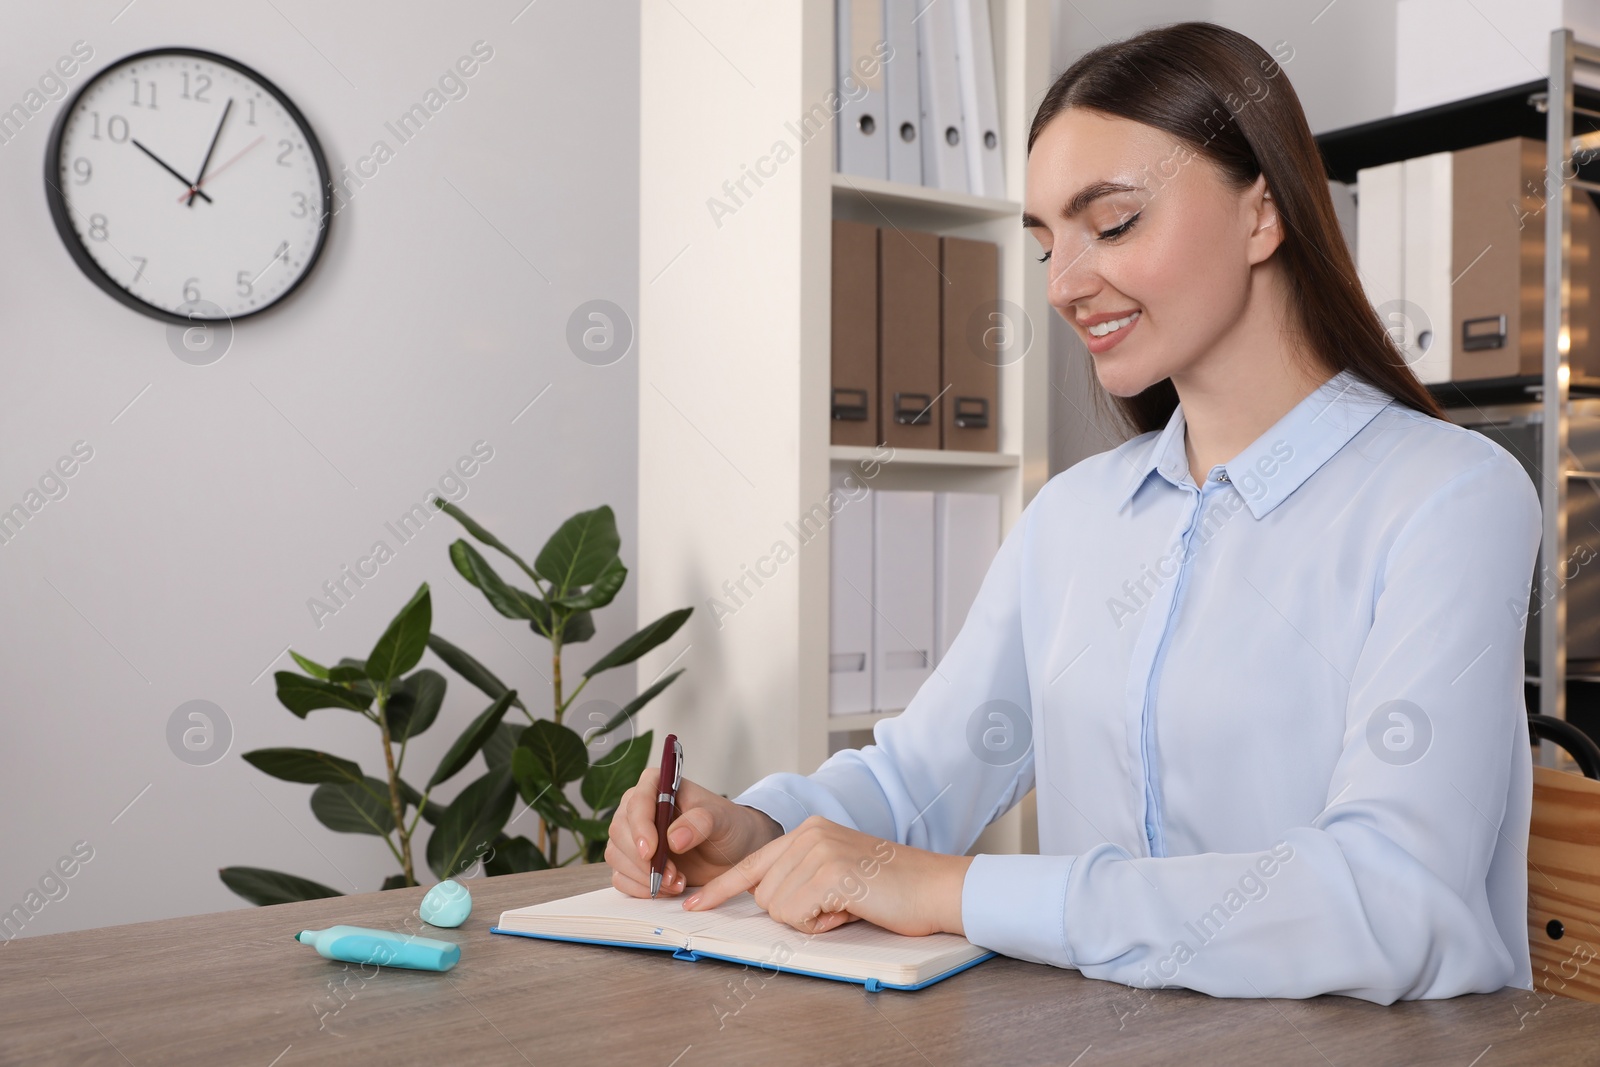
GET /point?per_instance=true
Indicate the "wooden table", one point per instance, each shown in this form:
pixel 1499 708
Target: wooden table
pixel 233 988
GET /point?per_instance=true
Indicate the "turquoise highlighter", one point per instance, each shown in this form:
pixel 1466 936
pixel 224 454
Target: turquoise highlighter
pixel 358 944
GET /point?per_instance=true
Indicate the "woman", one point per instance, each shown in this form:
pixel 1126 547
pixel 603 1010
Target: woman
pixel 1273 710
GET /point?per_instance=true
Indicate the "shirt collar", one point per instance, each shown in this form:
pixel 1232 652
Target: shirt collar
pixel 1280 460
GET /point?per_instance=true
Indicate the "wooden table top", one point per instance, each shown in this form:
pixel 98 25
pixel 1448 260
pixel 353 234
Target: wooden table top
pixel 234 988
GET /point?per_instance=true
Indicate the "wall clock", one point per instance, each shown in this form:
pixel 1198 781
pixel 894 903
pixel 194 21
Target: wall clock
pixel 188 187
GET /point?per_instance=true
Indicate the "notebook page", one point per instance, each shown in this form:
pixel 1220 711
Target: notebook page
pixel 739 927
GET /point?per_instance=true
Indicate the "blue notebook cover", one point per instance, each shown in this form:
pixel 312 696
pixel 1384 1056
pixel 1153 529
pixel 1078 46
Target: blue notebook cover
pixel 872 984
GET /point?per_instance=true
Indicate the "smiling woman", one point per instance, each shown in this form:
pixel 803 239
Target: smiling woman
pixel 1255 661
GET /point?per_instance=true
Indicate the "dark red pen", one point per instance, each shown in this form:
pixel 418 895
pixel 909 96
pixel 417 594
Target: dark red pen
pixel 666 804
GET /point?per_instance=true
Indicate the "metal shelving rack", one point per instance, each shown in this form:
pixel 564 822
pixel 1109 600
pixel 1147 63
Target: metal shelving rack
pixel 1560 107
pixel 1543 110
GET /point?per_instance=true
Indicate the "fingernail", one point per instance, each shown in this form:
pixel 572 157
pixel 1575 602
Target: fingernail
pixel 692 901
pixel 679 836
pixel 642 850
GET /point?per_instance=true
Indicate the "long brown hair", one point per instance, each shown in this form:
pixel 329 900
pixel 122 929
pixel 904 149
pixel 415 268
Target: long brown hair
pixel 1226 99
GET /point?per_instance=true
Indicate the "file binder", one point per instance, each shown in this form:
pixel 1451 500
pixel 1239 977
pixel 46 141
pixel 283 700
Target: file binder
pixel 902 81
pixel 853 405
pixel 850 598
pixel 944 160
pixel 979 110
pixel 1427 207
pixel 908 338
pixel 973 332
pixel 858 31
pixel 966 537
pixel 902 595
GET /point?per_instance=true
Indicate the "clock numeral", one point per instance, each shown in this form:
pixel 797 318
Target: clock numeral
pixel 246 285
pixel 136 103
pixel 97 228
pixel 283 156
pixel 191 290
pixel 202 85
pixel 116 128
pixel 140 272
pixel 302 205
pixel 251 121
pixel 83 169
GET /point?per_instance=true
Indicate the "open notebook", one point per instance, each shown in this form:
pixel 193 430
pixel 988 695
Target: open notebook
pixel 738 930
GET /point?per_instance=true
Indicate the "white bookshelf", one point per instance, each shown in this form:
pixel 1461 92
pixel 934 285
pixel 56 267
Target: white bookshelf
pixel 734 369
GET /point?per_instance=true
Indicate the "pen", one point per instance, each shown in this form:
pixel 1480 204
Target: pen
pixel 666 804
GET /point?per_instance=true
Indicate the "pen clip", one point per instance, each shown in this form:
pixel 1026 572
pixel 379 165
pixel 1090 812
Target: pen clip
pixel 677 764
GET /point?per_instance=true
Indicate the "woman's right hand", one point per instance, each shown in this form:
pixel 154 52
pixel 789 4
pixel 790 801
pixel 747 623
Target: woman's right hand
pixel 709 834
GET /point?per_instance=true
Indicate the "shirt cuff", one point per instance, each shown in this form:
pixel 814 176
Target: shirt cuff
pixel 782 808
pixel 1016 905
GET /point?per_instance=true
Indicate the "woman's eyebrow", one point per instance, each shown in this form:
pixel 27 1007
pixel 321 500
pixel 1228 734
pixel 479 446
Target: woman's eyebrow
pixel 1082 199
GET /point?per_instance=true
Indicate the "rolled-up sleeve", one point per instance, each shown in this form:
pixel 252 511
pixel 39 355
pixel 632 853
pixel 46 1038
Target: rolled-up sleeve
pixel 1383 896
pixel 956 758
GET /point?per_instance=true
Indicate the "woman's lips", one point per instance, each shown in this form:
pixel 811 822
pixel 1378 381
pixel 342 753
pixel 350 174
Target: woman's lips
pixel 1105 343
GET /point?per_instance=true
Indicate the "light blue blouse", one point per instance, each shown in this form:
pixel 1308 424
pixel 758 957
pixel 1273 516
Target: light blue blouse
pixel 1275 722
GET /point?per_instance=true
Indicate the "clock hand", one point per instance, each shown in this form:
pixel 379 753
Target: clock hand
pixel 168 169
pixel 231 161
pixel 195 188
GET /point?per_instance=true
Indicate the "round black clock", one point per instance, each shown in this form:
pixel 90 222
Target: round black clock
pixel 188 187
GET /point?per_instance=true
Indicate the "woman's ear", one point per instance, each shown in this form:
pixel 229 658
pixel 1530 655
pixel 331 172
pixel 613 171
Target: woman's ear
pixel 1266 231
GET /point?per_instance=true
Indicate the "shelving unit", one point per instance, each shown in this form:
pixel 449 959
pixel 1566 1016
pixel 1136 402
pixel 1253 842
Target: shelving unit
pixel 734 320
pixel 1543 110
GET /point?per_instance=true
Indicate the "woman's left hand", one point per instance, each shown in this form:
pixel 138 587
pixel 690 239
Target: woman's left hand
pixel 822 875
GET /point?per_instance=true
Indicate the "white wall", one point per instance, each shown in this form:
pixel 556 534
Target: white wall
pixel 1343 70
pixel 180 562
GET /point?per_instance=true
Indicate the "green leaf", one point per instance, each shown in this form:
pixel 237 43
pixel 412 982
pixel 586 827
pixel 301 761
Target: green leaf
pixel 432 811
pixel 301 694
pixel 579 626
pixel 641 642
pixel 508 600
pixel 349 668
pixel 470 669
pixel 578 551
pixel 559 753
pixel 347 675
pixel 515 855
pixel 471 823
pixel 311 667
pixel 402 644
pixel 483 535
pixel 415 704
pixel 602 592
pixel 472 739
pixel 354 807
pixel 541 795
pixel 605 782
pixel 394 881
pixel 303 765
pixel 592 829
pixel 263 887
pixel 631 708
pixel 497 750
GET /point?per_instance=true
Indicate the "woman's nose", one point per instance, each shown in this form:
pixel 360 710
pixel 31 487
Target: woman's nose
pixel 1073 276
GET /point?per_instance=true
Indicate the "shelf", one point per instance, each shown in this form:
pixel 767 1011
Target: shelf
pixel 1444 128
pixel 1519 389
pixel 923 457
pixel 880 193
pixel 864 720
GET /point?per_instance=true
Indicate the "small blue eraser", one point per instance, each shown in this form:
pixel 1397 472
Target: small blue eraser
pixel 447 904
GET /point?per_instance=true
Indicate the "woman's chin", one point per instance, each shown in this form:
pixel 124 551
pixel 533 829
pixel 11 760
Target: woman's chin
pixel 1122 380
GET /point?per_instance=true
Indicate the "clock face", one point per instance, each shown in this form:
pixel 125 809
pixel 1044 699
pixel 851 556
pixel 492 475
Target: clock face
pixel 188 187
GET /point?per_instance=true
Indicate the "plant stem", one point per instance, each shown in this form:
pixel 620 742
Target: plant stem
pixel 394 787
